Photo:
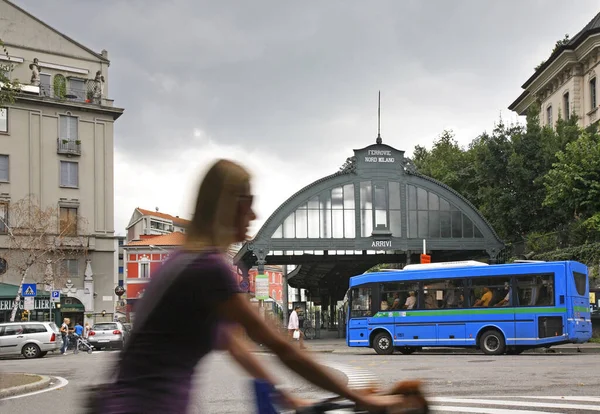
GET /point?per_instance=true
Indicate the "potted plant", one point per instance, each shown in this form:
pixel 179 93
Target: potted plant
pixel 65 141
pixel 78 141
pixel 88 315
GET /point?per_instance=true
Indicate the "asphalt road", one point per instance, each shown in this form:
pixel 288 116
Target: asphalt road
pixel 526 384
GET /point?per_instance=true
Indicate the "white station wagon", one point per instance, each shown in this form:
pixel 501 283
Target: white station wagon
pixel 30 339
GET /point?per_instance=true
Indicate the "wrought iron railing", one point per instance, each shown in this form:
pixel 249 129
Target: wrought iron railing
pixel 88 92
pixel 69 146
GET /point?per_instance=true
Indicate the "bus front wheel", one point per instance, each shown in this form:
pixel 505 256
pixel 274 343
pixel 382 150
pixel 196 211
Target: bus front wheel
pixel 492 342
pixel 383 344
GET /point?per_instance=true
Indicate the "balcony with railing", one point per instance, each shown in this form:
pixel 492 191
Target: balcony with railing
pixel 69 146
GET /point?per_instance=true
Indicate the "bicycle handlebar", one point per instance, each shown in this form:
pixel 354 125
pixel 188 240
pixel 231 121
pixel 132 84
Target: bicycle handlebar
pixel 264 392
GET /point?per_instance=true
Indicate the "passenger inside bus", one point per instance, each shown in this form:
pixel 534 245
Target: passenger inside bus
pixel 396 303
pixel 506 300
pixel 485 299
pixel 451 299
pixel 411 301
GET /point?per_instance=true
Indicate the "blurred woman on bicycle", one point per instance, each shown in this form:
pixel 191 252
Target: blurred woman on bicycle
pixel 156 376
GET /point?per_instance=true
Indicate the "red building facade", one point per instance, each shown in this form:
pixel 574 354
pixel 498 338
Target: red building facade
pixel 143 258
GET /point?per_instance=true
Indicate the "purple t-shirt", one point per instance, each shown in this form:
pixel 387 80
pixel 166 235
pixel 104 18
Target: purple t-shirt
pixel 156 368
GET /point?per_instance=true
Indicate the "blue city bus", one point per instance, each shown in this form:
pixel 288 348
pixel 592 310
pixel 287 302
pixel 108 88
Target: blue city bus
pixel 505 308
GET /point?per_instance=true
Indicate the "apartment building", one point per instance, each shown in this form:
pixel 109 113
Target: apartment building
pixel 147 222
pixel 56 145
pixel 566 83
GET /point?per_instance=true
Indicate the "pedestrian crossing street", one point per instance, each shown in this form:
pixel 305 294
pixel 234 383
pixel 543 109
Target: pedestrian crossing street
pixel 516 404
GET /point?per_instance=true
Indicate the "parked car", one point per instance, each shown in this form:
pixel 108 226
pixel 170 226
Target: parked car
pixel 30 339
pixel 107 335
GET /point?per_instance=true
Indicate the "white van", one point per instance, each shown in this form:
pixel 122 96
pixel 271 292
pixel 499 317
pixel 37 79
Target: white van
pixel 30 339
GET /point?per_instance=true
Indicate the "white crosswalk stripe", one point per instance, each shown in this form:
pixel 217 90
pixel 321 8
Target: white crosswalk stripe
pixel 516 404
pixel 506 404
pixel 357 377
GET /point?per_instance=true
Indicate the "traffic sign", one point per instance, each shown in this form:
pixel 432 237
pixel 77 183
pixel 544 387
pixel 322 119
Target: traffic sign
pixel 29 289
pixel 244 285
pixel 55 296
pixel 261 287
pixel 29 303
pixel 425 258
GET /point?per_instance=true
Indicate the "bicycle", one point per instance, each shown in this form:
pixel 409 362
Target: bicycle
pixel 265 394
pixel 308 330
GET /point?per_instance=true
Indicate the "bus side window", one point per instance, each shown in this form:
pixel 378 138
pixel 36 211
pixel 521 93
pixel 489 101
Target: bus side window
pixel 397 295
pixel 489 291
pixel 443 294
pixel 536 290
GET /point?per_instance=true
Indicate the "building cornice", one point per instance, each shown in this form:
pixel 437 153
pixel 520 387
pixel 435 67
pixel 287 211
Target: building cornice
pixel 566 64
pixel 110 111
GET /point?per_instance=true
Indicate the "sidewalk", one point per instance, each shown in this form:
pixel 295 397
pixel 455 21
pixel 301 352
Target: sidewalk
pixel 12 384
pixel 338 346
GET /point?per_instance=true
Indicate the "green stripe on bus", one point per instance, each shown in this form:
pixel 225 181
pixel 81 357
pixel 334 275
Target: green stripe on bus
pixel 581 309
pixel 450 312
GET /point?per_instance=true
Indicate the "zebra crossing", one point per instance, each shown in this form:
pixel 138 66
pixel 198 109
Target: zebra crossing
pixel 518 404
pixel 512 404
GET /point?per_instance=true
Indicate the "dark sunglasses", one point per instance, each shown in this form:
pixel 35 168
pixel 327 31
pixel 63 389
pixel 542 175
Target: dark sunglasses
pixel 247 198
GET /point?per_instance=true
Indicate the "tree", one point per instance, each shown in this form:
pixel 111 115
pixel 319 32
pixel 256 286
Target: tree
pixel 574 180
pixel 8 87
pixel 559 43
pixel 38 237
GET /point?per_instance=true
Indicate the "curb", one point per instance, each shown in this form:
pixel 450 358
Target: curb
pixel 24 389
pixel 445 351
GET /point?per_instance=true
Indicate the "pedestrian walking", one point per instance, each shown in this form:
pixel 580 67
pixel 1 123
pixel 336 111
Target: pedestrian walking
pixel 197 281
pixel 294 327
pixel 64 333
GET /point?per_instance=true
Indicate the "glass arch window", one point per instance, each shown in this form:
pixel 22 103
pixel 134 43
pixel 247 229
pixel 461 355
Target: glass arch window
pixel 330 214
pixel 432 216
pixel 380 208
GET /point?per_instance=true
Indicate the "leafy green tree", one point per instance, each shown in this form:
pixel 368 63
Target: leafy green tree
pixel 446 162
pixel 8 87
pixel 574 181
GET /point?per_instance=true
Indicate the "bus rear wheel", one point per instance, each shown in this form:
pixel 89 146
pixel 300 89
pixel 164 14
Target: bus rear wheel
pixel 492 342
pixel 383 344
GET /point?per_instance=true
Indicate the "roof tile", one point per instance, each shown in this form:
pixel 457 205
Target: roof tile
pixel 176 238
pixel 176 220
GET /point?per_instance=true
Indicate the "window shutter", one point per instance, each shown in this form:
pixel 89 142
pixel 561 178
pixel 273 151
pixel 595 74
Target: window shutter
pixel 45 84
pixel 64 127
pixel 3 120
pixel 64 173
pixel 69 174
pixel 73 128
pixel 74 174
pixel 3 167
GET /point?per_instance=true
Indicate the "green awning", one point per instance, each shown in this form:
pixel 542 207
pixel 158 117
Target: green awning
pixel 72 307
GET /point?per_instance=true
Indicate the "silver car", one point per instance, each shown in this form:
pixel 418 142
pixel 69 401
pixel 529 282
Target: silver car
pixel 106 335
pixel 30 339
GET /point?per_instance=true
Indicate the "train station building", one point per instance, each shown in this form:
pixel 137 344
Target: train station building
pixel 376 209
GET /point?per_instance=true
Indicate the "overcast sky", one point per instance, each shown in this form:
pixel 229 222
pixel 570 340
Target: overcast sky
pixel 290 88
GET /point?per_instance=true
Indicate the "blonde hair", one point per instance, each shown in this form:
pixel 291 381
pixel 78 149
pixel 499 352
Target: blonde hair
pixel 216 212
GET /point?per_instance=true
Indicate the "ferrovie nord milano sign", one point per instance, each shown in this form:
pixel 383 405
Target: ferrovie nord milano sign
pixel 379 158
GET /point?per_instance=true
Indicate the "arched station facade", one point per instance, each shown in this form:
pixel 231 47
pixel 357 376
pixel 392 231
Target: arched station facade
pixel 376 209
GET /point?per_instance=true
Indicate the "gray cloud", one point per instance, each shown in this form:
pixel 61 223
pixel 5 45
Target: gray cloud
pixel 300 79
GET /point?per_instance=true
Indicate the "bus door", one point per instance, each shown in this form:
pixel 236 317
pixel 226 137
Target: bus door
pixel 578 302
pixel 361 299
